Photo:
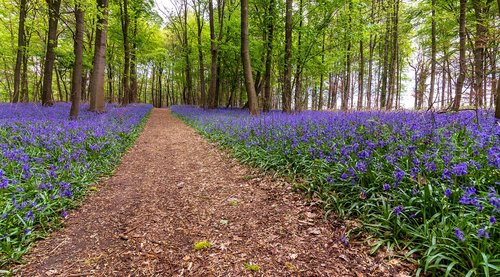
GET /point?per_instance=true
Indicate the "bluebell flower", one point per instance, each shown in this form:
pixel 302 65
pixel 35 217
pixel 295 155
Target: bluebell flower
pixel 460 169
pixel 344 176
pixel 398 210
pixel 344 241
pixel 361 166
pixel 482 233
pixel 459 234
pixel 398 174
pixel 4 182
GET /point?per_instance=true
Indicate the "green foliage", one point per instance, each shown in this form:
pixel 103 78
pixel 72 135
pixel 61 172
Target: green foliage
pixel 202 245
pixel 252 267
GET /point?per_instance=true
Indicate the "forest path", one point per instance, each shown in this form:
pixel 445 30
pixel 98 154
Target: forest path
pixel 173 189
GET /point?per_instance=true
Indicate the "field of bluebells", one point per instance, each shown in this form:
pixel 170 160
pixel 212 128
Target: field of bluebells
pixel 48 162
pixel 423 184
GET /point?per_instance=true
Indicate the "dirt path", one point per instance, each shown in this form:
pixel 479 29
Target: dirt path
pixel 174 189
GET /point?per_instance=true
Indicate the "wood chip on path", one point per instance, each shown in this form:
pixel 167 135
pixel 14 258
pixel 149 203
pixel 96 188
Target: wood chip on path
pixel 171 191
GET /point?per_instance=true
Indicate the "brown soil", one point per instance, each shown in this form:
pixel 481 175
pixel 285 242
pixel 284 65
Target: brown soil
pixel 174 189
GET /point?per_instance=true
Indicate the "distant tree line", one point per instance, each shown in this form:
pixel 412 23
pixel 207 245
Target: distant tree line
pixel 262 54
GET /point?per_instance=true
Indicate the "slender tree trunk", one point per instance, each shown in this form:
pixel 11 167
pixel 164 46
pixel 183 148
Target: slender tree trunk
pixel 383 91
pixel 463 66
pixel 54 7
pixel 394 56
pixel 76 80
pixel 212 104
pixel 199 16
pixel 347 85
pixel 133 64
pixel 160 87
pixel 361 75
pixel 299 98
pixel 187 48
pixel 245 57
pixel 21 50
pixel 24 81
pixel 269 55
pixel 443 83
pixel 287 82
pixel 58 82
pixel 433 54
pixel 126 50
pixel 96 86
pixel 497 102
pixel 492 56
pixel 320 96
pixel 110 83
pixel 479 47
pixel 153 87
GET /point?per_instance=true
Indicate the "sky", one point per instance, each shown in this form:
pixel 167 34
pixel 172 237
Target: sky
pixel 164 6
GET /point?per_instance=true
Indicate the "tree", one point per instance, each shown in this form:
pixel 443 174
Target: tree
pixel 76 81
pixel 269 56
pixel 212 103
pixel 96 87
pixel 21 49
pixel 125 20
pixel 463 66
pixel 199 10
pixel 433 54
pixel 245 57
pixel 497 102
pixel 53 10
pixel 287 82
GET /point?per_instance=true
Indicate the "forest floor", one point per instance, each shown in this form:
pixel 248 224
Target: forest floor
pixel 173 189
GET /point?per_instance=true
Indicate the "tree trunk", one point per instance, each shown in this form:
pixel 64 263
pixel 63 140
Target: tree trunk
pixel 320 96
pixel 110 83
pixel 54 7
pixel 394 57
pixel 443 82
pixel 245 57
pixel 76 80
pixel 269 55
pixel 497 102
pixel 160 87
pixel 383 90
pixel 24 81
pixel 463 66
pixel 433 54
pixel 133 64
pixel 199 17
pixel 96 86
pixel 479 46
pixel 361 76
pixel 21 50
pixel 212 104
pixel 187 48
pixel 126 49
pixel 287 82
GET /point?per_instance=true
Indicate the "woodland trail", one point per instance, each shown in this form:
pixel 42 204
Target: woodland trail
pixel 173 189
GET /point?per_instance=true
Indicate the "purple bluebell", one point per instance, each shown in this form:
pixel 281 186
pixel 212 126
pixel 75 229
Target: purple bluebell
pixel 398 210
pixel 482 233
pixel 460 169
pixel 459 234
